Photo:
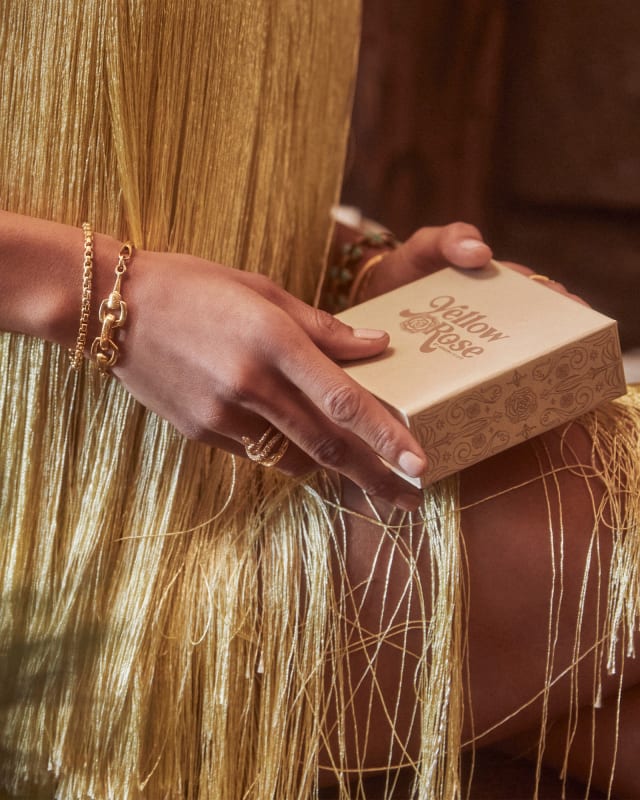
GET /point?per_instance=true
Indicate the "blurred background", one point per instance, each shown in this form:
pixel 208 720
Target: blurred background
pixel 520 116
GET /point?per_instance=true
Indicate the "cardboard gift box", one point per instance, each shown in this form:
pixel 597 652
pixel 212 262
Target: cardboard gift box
pixel 481 360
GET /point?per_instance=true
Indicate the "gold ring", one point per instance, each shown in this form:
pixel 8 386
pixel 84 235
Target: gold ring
pixel 269 448
pixel 541 278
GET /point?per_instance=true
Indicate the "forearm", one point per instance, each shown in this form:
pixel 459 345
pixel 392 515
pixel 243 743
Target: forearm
pixel 41 277
pixel 216 378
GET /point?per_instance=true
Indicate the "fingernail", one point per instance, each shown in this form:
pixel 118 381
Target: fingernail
pixel 471 244
pixel 411 464
pixel 409 502
pixel 368 333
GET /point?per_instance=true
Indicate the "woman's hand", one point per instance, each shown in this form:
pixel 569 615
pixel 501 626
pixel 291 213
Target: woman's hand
pixel 431 249
pixel 223 354
pixel 424 252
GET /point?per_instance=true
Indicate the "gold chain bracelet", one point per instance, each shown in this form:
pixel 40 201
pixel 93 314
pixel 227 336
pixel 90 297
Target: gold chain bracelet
pixel 76 354
pixel 112 315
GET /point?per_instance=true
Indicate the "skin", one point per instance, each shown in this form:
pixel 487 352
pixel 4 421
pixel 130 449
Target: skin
pixel 509 578
pixel 217 379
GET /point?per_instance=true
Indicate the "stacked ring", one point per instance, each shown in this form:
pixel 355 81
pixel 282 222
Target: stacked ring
pixel 268 449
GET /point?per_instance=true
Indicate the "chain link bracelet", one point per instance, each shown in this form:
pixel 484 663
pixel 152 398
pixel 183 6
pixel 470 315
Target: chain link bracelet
pixel 112 315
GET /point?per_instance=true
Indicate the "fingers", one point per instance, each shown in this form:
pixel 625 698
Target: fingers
pixel 315 425
pixel 343 404
pixel 326 443
pixel 338 340
pixel 426 251
pixel 286 381
pixel 342 423
pixel 234 424
pixel 330 447
pixel 254 362
pixel 463 246
pixel 555 286
pixel 455 245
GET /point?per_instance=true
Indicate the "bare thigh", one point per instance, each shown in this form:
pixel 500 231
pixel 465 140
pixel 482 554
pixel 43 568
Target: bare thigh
pixel 527 541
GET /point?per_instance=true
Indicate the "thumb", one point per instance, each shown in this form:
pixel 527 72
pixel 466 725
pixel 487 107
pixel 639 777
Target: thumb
pixel 455 245
pixel 338 340
pixel 428 250
pixel 333 337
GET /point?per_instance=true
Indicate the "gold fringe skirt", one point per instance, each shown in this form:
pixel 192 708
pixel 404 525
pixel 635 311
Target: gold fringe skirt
pixel 171 616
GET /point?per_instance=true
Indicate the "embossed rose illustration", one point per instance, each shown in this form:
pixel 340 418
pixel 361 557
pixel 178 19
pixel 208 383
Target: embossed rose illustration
pixel 417 323
pixel 520 405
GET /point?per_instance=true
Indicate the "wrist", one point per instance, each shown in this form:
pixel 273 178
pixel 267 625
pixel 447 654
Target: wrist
pixel 36 296
pixel 353 254
pixel 41 278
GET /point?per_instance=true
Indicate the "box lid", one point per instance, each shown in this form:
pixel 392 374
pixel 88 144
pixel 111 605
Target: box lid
pixel 455 328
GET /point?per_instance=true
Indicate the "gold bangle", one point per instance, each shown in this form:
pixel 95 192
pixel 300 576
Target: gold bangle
pixel 76 354
pixel 112 314
pixel 360 280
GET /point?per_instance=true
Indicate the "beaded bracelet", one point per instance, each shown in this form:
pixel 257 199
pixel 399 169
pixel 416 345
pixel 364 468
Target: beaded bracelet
pixel 76 354
pixel 343 279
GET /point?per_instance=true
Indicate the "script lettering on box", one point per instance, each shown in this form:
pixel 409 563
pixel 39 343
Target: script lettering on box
pixel 453 328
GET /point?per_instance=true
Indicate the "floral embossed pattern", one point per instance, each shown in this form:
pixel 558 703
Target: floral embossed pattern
pixel 416 323
pixel 522 403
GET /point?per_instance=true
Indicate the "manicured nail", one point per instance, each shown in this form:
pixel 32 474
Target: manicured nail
pixel 411 464
pixel 408 501
pixel 368 333
pixel 471 245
